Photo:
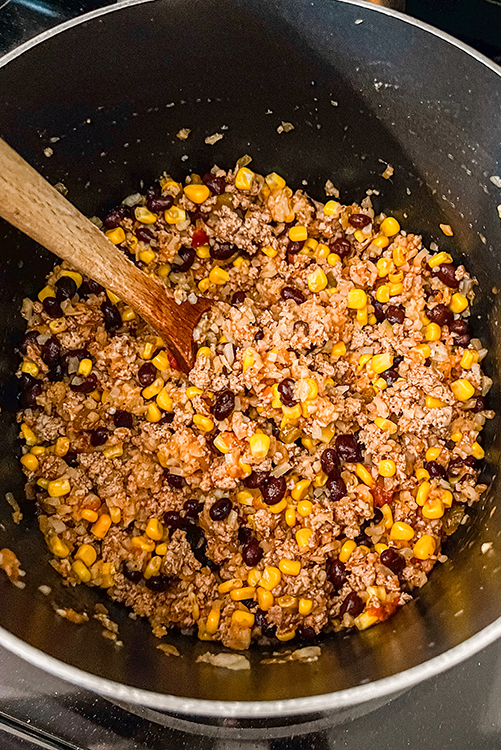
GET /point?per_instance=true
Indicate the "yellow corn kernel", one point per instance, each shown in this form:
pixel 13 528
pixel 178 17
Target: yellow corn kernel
pixel 77 277
pixel 116 236
pixel 164 401
pixel 265 599
pixel 380 241
pixel 300 491
pixel 298 233
pixel 30 462
pixel 114 451
pixel 47 291
pixel 308 443
pixel 271 252
pixel 244 497
pixel 380 547
pixel 153 390
pixel 203 351
pixel 242 619
pixel 87 554
pixel 287 601
pixel 291 413
pixel 357 299
pixel 161 549
pixel 274 181
pixel 174 215
pixel 303 537
pixel 154 529
pixel 401 531
pixel 142 542
pixel 305 606
pixel 246 592
pixel 331 208
pixel 395 289
pixel 84 367
pixel 321 251
pixel 423 492
pixel 362 316
pixel 203 252
pixel 246 469
pixel 433 453
pixel 221 444
pixel 270 578
pixel 144 215
pixel 347 549
pixel 360 236
pixel 462 389
pixel 244 178
pixel 289 567
pixel 422 474
pixel 148 350
pixel 30 368
pixel 161 360
pixel 240 262
pixel 259 445
pixel 477 451
pixel 382 362
pixel 458 303
pixel 112 297
pixel 278 507
pixel 147 256
pixel 253 577
pixel 387 515
pixel 229 585
pixel 363 549
pixel 432 332
pixel 203 423
pixel 424 547
pixel 384 265
pixel 446 497
pixel 469 359
pixel 197 193
pixel 58 547
pixel 62 446
pixel 333 258
pixel 387 468
pixel 59 487
pixel 28 435
pixel 434 403
pixel 456 437
pixel 89 515
pixel 363 361
pixel 304 507
pixel 43 483
pixel 102 526
pixel 153 414
pixel 365 620
pixel 82 571
pixel 288 635
pixel 164 270
pixel 153 567
pixel 320 479
pixel 218 275
pixel 290 517
pixel 433 508
pixel 396 278
pixel 364 475
pixel 338 350
pixel 37 450
pixel 383 293
pixel 213 620
pixel 386 425
pixel 317 281
pixel 390 226
pixel 438 259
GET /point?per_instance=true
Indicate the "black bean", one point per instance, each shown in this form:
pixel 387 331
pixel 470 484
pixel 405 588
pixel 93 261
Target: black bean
pixel 217 185
pixel 259 335
pixel 94 287
pixel 336 572
pixel 159 203
pixel 111 315
pixel 55 373
pixel 446 272
pixel 273 490
pixel 26 381
pixel 463 340
pixel 187 256
pixel 221 509
pixel 393 560
pixel 167 418
pixel 353 605
pixel 395 314
pixel 252 553
pixel 341 246
pixel 459 326
pixel 390 376
pixel 85 385
pixel 377 517
pixel 174 480
pixel 256 480
pixel 471 462
pixel 301 326
pixel 238 298
pixel 245 534
pixel 192 507
pixel 286 390
pixel 71 459
pixel 330 462
pixel 359 221
pixel 293 248
pixel 134 576
pixel 51 351
pixel 99 436
pixel 305 632
pixel 65 288
pixel 223 405
pixel 158 584
pixel 479 404
pixel 144 234
pixel 290 292
pixel 336 487
pixel 223 251
pixel 28 398
pixel 348 448
pixel 198 543
pixel 379 310
pixel 397 361
pixel 173 520
pixel 122 418
pixel 147 374
pixel 363 539
pixel 29 339
pixel 435 469
pixel 440 314
pixel 261 622
pixel 116 216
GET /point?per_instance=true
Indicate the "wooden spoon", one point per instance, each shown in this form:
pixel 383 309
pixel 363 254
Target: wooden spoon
pixel 32 205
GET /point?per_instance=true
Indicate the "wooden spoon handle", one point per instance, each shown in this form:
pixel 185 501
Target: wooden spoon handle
pixel 35 207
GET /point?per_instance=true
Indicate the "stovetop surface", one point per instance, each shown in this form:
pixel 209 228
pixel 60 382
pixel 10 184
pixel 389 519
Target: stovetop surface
pixel 460 709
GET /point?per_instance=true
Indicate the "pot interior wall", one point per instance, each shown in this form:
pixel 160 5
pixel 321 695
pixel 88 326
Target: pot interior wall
pixel 362 89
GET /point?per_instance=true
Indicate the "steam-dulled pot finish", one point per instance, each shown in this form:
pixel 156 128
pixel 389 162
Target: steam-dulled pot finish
pixel 363 88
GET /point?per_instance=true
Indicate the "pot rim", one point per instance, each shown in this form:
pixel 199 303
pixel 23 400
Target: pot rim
pixel 253 709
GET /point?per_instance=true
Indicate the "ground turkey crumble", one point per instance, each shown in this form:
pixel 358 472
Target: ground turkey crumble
pixel 305 473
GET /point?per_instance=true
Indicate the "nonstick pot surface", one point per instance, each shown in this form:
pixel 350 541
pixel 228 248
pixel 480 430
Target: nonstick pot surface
pixel 363 88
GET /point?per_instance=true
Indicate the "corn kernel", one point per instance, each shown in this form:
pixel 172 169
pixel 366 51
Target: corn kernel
pixel 197 193
pixel 116 236
pixel 161 360
pixel 203 252
pixel 333 258
pixel 433 508
pixel 147 256
pixel 382 362
pixel 380 241
pixel 153 390
pixel 362 316
pixel 300 491
pixel 259 445
pixel 174 215
pixel 380 547
pixel 245 592
pixel 28 435
pixel 360 236
pixel 153 567
pixel 278 507
pixel 30 368
pixel 477 451
pixel 84 367
pixel 203 423
pixel 242 619
pixel 292 413
pixel 347 549
pixel 287 601
pixel 221 444
pixel 424 547
pixel 213 620
pixel 164 270
pixel 446 497
pixel 365 620
pixel 58 547
pixel 305 607
pixel 246 469
pixel 303 537
pixel 357 299
pixel 401 531
pixel 438 259
pixel 229 585
pixel 244 178
pixel 59 487
pixel 396 278
pixel 102 526
pixel 386 425
pixel 37 450
pixel 289 567
pixel 434 403
pixel 364 475
pixel 30 462
pixel 153 413
pixel 423 492
pixel 271 252
pixel 287 635
pixel 458 303
pixel 456 437
pixel 89 515
pixel 270 578
pixel 338 350
pixel 87 554
pixel 387 468
pixel 383 293
pixel 469 359
pixel 331 208
pixel 317 281
pixel 390 226
pixel 112 297
pixel 290 517
pixel 142 542
pixel 161 549
pixel 218 275
pixel 77 277
pixel 240 262
pixel 114 451
pixel 395 289
pixel 321 251
pixel 82 571
pixel 298 233
pixel 462 389
pixel 422 474
pixel 387 515
pixel 164 401
pixel 432 332
pixel 304 507
pixel 274 181
pixel 433 453
pixel 154 529
pixel 384 265
pixel 43 483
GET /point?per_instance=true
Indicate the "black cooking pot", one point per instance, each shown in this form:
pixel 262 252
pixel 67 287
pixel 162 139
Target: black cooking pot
pixel 96 105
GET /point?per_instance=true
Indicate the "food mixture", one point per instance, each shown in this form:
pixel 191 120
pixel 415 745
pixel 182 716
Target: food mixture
pixel 304 475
